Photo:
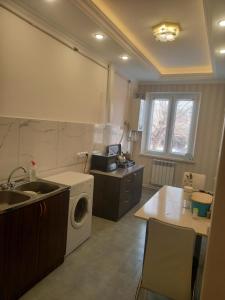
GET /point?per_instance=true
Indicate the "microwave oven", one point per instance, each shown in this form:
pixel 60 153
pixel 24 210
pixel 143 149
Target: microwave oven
pixel 102 162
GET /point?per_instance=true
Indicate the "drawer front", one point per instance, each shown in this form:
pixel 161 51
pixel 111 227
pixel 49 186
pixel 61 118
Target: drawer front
pixel 125 203
pixel 127 183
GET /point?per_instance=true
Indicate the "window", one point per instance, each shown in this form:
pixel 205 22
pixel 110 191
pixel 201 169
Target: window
pixel 170 125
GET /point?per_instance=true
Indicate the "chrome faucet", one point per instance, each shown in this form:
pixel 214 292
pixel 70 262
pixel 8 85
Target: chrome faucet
pixel 9 184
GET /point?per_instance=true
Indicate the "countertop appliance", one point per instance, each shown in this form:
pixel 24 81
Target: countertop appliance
pixel 112 159
pixel 104 162
pixel 80 206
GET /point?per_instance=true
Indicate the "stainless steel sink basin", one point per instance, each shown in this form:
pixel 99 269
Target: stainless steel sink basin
pixel 12 197
pixel 38 187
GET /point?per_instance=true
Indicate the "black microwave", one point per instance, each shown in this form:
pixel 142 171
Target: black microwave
pixel 102 162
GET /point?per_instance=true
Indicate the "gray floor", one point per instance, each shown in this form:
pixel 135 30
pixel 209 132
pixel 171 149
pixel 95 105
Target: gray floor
pixel 107 266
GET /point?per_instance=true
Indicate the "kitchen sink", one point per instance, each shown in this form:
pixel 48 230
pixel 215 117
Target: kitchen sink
pixel 38 187
pixel 12 197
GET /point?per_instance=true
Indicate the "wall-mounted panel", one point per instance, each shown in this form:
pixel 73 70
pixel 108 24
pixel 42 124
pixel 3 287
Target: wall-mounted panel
pixel 119 100
pixel 41 78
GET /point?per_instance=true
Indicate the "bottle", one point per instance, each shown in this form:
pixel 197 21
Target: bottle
pixel 33 171
pixel 188 190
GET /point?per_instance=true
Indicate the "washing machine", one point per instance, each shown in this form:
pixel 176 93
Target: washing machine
pixel 80 206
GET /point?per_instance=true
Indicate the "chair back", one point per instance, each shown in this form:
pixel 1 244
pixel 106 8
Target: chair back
pixel 197 181
pixel 167 268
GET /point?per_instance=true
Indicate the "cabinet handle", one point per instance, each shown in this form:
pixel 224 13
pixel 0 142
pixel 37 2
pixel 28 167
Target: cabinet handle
pixel 45 208
pixel 41 212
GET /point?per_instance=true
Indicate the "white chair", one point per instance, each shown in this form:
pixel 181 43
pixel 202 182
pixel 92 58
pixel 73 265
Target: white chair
pixel 167 266
pixel 197 181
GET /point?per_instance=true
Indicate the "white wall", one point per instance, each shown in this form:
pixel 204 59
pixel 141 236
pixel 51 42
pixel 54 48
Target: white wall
pixel 41 78
pixel 208 134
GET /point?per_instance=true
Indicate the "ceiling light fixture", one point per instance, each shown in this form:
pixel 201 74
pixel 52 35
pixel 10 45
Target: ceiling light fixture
pixel 222 23
pixel 124 57
pixel 99 36
pixel 166 31
pixel 222 51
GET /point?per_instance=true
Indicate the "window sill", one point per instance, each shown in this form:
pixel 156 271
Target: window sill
pixel 164 157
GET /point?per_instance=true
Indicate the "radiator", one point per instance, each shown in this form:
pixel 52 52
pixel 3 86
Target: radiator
pixel 162 172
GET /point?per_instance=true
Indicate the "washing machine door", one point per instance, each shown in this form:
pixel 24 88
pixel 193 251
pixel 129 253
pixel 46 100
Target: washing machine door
pixel 80 210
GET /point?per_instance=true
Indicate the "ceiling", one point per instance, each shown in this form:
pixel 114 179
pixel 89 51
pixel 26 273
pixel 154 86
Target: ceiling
pixel 127 25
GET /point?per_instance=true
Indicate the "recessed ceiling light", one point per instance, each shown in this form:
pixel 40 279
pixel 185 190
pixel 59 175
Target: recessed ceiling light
pixel 222 23
pixel 222 51
pixel 124 57
pixel 99 36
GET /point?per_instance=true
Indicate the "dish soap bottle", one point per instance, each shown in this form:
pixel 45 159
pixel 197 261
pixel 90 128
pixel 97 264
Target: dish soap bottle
pixel 33 171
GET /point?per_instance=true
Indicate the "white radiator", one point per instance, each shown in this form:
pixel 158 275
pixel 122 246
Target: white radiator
pixel 162 172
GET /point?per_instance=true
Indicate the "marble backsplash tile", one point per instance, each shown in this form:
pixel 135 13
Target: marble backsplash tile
pixel 107 134
pixel 53 145
pixel 36 139
pixel 9 143
pixel 73 138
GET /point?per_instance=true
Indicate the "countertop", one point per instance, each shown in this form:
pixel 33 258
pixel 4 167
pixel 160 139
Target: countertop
pixel 120 172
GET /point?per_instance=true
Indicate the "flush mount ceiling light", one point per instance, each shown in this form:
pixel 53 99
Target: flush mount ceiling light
pixel 99 36
pixel 222 51
pixel 124 57
pixel 166 31
pixel 222 23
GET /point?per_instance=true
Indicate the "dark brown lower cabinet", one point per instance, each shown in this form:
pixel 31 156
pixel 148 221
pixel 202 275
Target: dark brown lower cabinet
pixel 22 250
pixel 2 256
pixel 115 193
pixel 32 243
pixel 53 231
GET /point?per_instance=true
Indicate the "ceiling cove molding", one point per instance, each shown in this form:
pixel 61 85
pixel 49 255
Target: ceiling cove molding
pixel 39 23
pixel 182 82
pixel 208 25
pixel 188 76
pixel 97 14
pixel 92 11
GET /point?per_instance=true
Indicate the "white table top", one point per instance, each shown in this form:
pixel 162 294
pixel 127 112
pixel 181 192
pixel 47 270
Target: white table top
pixel 167 206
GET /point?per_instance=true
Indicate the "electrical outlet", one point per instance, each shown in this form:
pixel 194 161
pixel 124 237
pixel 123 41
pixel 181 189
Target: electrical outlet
pixel 82 155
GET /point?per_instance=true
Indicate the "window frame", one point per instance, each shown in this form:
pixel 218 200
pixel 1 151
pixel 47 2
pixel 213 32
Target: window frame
pixel 173 98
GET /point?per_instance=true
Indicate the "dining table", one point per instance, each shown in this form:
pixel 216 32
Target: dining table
pixel 167 205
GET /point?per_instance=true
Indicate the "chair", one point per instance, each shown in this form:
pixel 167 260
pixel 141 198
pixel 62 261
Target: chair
pixel 167 266
pixel 197 181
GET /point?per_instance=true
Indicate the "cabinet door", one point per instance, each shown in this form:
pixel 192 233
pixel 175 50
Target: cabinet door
pixel 3 249
pixel 137 186
pixel 21 250
pixel 53 232
pixel 106 196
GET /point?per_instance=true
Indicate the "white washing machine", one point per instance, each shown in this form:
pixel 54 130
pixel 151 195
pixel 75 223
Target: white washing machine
pixel 80 206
